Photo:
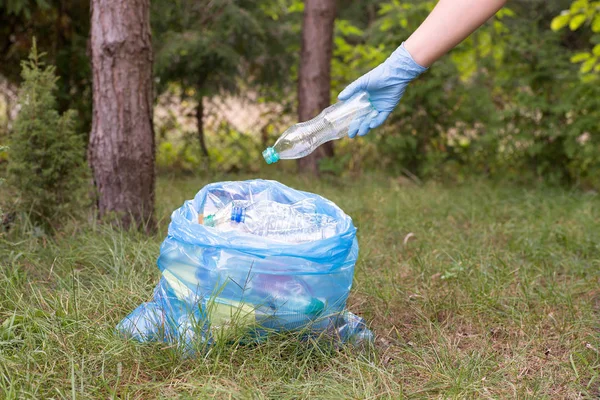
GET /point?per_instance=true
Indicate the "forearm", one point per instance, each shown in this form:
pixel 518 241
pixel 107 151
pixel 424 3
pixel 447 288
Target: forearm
pixel 450 22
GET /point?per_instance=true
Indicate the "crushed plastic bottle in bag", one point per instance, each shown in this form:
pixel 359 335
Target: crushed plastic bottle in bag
pixel 272 219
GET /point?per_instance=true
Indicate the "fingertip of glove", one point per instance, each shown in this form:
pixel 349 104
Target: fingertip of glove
pixel 378 120
pixel 364 129
pixel 343 96
pixel 375 123
pixel 347 92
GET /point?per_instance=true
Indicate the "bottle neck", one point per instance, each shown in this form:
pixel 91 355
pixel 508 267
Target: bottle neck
pixel 220 217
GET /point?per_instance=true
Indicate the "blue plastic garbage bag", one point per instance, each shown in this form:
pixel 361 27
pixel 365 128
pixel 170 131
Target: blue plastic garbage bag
pixel 214 279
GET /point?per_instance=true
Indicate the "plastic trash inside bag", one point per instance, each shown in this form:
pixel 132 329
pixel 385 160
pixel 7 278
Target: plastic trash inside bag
pixel 292 223
pixel 216 278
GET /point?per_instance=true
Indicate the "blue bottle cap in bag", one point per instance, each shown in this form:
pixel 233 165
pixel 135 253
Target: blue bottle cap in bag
pixel 237 214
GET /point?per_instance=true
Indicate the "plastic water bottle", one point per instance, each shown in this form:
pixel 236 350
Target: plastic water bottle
pixel 275 220
pixel 271 301
pixel 282 221
pixel 332 123
pixel 286 293
pixel 222 217
pixel 289 298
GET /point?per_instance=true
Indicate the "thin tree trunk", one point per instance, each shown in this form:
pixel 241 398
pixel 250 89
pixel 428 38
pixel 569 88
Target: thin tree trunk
pixel 315 71
pixel 200 124
pixel 264 136
pixel 121 150
pixel 8 112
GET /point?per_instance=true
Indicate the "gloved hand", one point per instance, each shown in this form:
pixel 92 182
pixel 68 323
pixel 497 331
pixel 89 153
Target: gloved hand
pixel 385 84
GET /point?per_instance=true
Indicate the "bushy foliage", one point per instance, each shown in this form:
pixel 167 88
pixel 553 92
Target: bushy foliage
pixel 229 151
pixel 209 47
pixel 47 163
pixel 519 98
pixel 506 102
pixel 583 14
pixel 62 30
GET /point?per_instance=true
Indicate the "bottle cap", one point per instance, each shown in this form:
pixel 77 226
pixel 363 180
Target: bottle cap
pixel 315 307
pixel 237 214
pixel 270 155
pixel 210 220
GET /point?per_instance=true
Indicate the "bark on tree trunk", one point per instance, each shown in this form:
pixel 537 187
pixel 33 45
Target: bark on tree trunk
pixel 9 106
pixel 200 125
pixel 121 149
pixel 315 71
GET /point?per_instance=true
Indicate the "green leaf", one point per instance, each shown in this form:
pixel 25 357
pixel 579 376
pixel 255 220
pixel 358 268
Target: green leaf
pixel 296 6
pixel 386 8
pixel 388 23
pixel 347 29
pixel 588 65
pixel 596 23
pixel 560 22
pixel 505 12
pixel 576 22
pixel 578 5
pixel 589 78
pixel 596 50
pixel 580 57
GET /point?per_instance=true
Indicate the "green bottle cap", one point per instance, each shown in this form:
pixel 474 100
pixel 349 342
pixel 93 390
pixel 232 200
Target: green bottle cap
pixel 315 307
pixel 210 220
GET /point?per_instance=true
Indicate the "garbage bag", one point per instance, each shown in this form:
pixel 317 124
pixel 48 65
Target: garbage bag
pixel 214 280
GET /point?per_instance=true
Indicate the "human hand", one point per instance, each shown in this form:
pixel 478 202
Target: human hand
pixel 385 85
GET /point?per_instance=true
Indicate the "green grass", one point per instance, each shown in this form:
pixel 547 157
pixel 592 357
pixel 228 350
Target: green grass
pixel 496 294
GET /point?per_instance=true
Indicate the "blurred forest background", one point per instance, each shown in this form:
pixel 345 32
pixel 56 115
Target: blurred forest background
pixel 519 99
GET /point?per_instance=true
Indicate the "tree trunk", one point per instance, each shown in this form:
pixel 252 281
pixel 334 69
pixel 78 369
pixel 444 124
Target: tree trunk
pixel 200 124
pixel 8 112
pixel 121 151
pixel 315 71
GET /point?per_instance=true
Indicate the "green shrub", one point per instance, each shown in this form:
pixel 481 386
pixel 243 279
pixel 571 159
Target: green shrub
pixel 228 150
pixel 233 151
pixel 505 103
pixel 47 160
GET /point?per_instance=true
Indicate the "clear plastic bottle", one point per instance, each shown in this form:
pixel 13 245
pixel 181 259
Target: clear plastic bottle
pixel 285 293
pixel 275 220
pixel 332 123
pixel 283 222
pixel 288 297
pixel 271 301
pixel 221 217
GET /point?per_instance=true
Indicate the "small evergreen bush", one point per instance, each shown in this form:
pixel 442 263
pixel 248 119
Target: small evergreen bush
pixel 47 158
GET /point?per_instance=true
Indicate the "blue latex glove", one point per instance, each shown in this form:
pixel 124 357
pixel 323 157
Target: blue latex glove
pixel 385 84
